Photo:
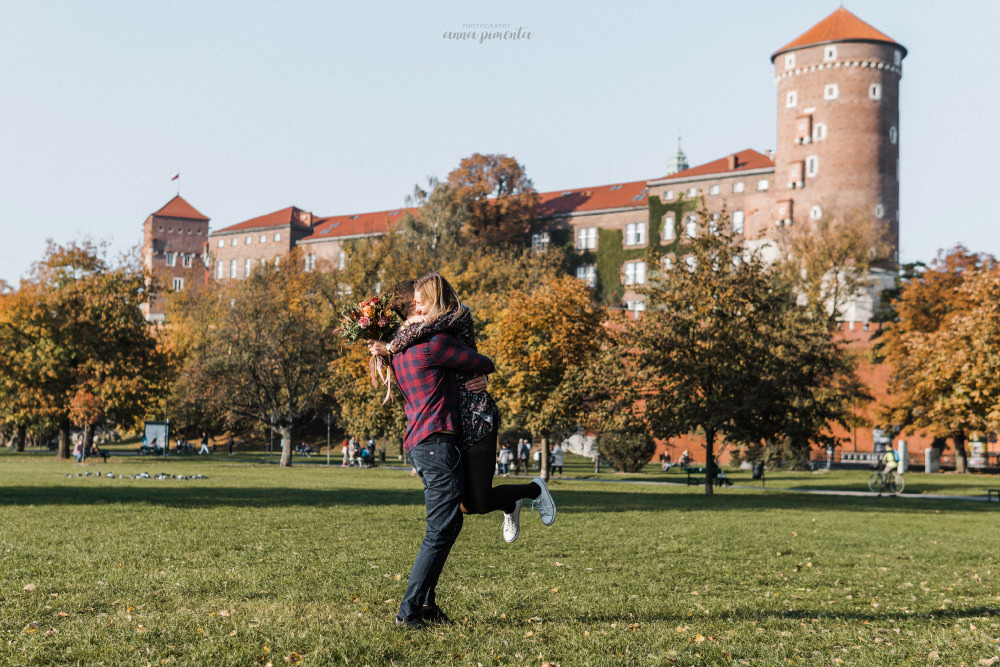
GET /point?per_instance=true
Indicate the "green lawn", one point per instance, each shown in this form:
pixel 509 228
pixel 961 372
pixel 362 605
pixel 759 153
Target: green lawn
pixel 256 564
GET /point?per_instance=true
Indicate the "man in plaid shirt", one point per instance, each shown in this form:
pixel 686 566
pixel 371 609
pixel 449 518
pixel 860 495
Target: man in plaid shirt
pixel 425 373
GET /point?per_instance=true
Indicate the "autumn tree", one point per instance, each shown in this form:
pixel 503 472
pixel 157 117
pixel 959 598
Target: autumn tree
pixel 79 350
pixel 263 358
pixel 360 406
pixel 830 261
pixel 943 348
pixel 723 348
pixel 536 341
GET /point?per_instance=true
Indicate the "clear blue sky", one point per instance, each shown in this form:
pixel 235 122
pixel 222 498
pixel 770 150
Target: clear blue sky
pixel 342 107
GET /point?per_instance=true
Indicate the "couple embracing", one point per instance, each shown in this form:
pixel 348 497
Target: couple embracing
pixel 451 432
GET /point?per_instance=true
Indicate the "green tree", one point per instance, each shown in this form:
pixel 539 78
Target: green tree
pixel 722 348
pixel 264 357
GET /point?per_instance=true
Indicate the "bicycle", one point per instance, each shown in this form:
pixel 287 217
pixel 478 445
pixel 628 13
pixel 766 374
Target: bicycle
pixel 893 483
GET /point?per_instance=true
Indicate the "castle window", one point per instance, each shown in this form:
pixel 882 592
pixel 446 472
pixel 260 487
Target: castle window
pixel 588 274
pixel 803 129
pixel 667 230
pixel 819 132
pixel 668 262
pixel 897 57
pixel 829 53
pixel 249 240
pixel 713 189
pixel 341 260
pixel 790 61
pixel 310 263
pixel 220 270
pixel 635 233
pixel 586 238
pixel 791 99
pixel 737 222
pixel 235 242
pixel 763 184
pixel 893 135
pixel 816 212
pixel 178 284
pixel 247 267
pixel 277 236
pixel 186 260
pixel 879 211
pixel 875 91
pixel 171 259
pixel 262 239
pixel 831 91
pixel 635 273
pixel 812 165
pixel 668 195
pixel 232 268
pixel 540 243
pixel 738 186
pixel 221 243
pixel 692 192
pixel 713 225
pixel 691 226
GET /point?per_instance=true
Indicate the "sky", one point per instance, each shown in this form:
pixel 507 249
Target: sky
pixel 345 107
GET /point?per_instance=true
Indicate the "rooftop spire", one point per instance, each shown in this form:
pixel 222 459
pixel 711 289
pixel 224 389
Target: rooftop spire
pixel 679 161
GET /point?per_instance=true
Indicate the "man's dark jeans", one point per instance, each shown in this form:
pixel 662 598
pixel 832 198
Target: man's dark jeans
pixel 439 464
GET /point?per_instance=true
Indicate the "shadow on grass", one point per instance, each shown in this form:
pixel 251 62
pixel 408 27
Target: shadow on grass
pixel 577 501
pixel 757 615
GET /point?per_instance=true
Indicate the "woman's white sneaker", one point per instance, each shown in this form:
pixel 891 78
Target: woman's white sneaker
pixel 512 523
pixel 544 503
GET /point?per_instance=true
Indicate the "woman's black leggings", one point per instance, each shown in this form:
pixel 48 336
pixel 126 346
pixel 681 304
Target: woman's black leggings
pixel 481 497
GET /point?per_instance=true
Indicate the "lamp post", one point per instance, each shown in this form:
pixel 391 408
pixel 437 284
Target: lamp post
pixel 328 418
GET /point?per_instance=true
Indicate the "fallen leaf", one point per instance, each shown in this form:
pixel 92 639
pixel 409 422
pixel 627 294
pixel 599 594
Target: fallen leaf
pixel 988 661
pixel 529 633
pixel 62 613
pixel 29 588
pixel 53 631
pixel 223 613
pixel 699 638
pixel 933 655
pixel 554 590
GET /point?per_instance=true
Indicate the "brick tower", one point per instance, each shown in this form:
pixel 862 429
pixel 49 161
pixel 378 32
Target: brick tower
pixel 838 125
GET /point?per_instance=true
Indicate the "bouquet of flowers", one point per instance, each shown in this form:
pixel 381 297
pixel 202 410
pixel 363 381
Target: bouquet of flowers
pixel 371 319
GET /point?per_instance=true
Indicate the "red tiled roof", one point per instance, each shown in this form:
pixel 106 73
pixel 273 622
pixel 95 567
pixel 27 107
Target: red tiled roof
pixel 745 161
pixel 355 225
pixel 292 215
pixel 178 208
pixel 616 195
pixel 840 26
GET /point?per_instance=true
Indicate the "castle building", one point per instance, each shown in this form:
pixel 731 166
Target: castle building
pixel 837 154
pixel 173 251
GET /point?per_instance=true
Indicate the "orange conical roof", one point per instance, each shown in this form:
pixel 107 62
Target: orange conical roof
pixel 840 26
pixel 178 208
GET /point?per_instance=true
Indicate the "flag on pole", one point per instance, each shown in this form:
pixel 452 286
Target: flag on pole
pixel 175 176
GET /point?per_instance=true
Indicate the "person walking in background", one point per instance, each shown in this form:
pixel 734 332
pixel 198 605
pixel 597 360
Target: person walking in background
pixel 345 454
pixel 230 443
pixel 556 459
pixel 78 449
pixel 204 444
pixel 523 454
pixel 505 458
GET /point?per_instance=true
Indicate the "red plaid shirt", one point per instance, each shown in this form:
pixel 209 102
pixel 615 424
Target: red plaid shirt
pixel 425 375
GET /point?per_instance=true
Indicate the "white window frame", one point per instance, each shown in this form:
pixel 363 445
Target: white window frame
pixel 635 233
pixel 691 263
pixel 247 267
pixel 763 185
pixel 232 268
pixel 341 260
pixel 875 91
pixel 816 212
pixel 739 186
pixel 831 91
pixel 789 61
pixel 812 166
pixel 249 240
pixel 738 221
pixel 187 260
pixel 177 283
pixel 586 238
pixel 667 231
pixel 897 57
pixel 310 262
pixel 635 273
pixel 277 236
pixel 879 211
pixel 714 189
pixel 691 226
pixel 221 243
pixel 171 259
pixel 713 224
pixel 829 53
pixel 262 239
pixel 668 195
pixel 692 192
pixel 588 274
pixel 235 242
pixel 220 270
pixel 893 135
pixel 819 132
pixel 791 99
pixel 668 262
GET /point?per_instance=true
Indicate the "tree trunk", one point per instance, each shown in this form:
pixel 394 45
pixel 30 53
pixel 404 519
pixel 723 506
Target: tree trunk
pixel 64 445
pixel 19 438
pixel 961 456
pixel 88 440
pixel 544 461
pixel 286 446
pixel 709 461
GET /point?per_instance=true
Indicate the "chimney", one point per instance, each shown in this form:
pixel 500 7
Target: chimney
pixel 732 162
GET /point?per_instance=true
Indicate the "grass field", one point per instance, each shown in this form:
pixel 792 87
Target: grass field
pixel 257 565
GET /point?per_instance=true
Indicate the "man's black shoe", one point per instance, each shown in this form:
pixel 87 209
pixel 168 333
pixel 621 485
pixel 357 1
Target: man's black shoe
pixel 411 623
pixel 433 614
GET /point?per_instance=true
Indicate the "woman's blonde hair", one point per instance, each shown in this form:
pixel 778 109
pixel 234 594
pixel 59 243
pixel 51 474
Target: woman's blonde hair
pixel 437 295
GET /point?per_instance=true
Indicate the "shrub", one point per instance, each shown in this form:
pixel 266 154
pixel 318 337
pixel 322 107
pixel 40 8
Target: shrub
pixel 627 452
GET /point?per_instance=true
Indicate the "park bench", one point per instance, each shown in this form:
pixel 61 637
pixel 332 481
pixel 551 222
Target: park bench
pixel 991 492
pixel 692 471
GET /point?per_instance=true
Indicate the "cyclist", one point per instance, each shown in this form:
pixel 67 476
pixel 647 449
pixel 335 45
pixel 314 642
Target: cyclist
pixel 890 461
